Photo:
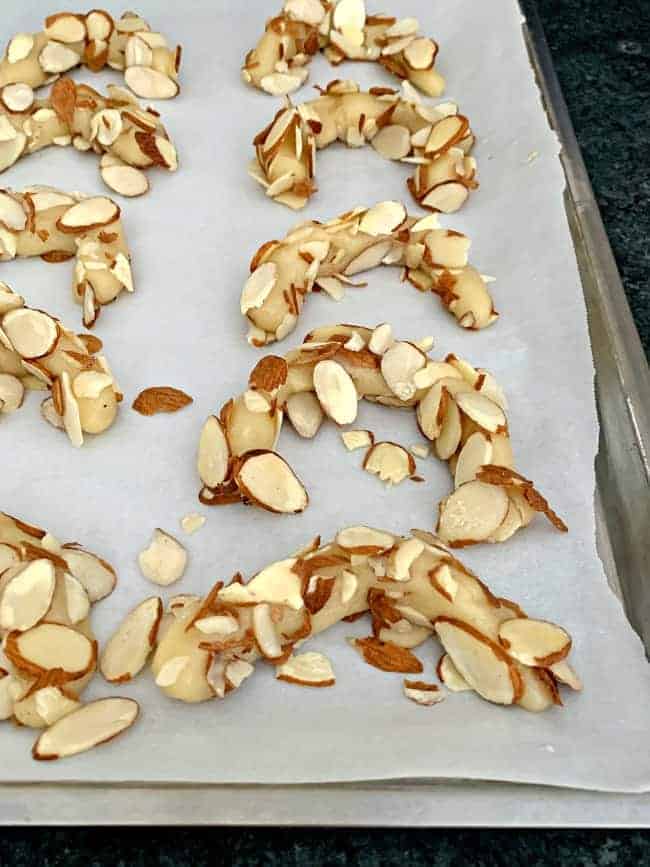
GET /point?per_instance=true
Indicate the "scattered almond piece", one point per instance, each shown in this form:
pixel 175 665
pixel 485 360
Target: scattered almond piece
pixel 163 562
pixel 192 522
pixel 426 694
pixel 160 399
pixel 307 669
pixel 357 439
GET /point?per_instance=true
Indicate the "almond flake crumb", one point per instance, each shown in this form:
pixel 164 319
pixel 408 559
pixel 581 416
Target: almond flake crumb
pixel 357 439
pixel 192 522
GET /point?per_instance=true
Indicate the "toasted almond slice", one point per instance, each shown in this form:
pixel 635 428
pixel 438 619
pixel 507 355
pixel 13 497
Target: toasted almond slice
pixel 368 259
pixel 65 27
pixel 444 582
pixel 277 584
pixel 402 558
pixel 255 401
pixel 387 656
pixel 563 672
pixel 450 431
pixel 393 142
pixel 307 669
pixel 28 596
pixel 19 47
pixel 381 339
pixel 471 514
pixel 93 724
pixel 91 213
pixel 399 364
pixel 305 413
pixel 51 647
pixel 265 632
pixel 164 560
pixel 95 575
pixel 383 218
pixel 482 663
pixel 336 391
pixel 450 676
pixel 349 585
pixel 12 393
pixel 357 439
pixel 32 333
pixel 125 180
pixel 258 286
pixel 266 479
pixel 482 410
pixel 214 454
pixel 512 522
pixel 534 642
pixel 149 83
pixel 364 540
pixel 488 386
pixel 476 452
pixel 426 694
pixel 161 398
pixel 127 650
pixel 446 197
pixel 12 214
pixel 76 600
pixel 390 461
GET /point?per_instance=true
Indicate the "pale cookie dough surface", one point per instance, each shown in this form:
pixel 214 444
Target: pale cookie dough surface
pixel 192 237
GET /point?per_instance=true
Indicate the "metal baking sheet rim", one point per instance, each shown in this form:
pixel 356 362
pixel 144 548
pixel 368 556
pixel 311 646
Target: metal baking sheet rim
pixel 620 364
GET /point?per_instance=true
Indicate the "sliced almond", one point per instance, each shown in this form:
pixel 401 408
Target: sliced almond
pixel 89 384
pixel 237 671
pixel 309 11
pixel 44 707
pixel 12 393
pixel 265 632
pixel 277 584
pixel 164 560
pixel 125 180
pixel 28 596
pixel 381 339
pixel 534 642
pixel 12 214
pixel 487 414
pixel 76 600
pixel 217 625
pixel 161 398
pixel 399 364
pixel 390 461
pixel 368 259
pixel 171 671
pixel 471 514
pixel 364 540
pixel 32 333
pixel 19 47
pixel 476 453
pixel 258 286
pixel 51 647
pixel 563 672
pixel 91 213
pixel 305 414
pixel 383 218
pixel 393 142
pixel 421 53
pixel 126 652
pixel 482 663
pixel 56 57
pixel 307 669
pixel 450 430
pixel 336 391
pixel 450 676
pixel 65 27
pixel 214 454
pixel 10 151
pixel 447 197
pixel 266 479
pixel 357 439
pixel 403 557
pixel 149 83
pixel 192 522
pixel 95 575
pixel 70 416
pixel 426 694
pixel 387 656
pixel 93 724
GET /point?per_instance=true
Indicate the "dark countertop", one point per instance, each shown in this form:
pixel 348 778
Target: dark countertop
pixel 601 52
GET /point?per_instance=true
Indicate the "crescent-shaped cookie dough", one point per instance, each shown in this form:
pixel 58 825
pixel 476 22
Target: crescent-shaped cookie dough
pixel 413 588
pixel 38 351
pixel 325 256
pixel 461 409
pixel 125 136
pixel 42 221
pixel 94 40
pixel 343 31
pixel 435 139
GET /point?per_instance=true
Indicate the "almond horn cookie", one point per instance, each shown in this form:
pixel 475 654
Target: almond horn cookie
pixel 436 140
pixel 325 256
pixel 343 31
pixel 459 408
pixel 94 40
pixel 127 137
pixel 412 587
pixel 38 351
pixel 48 652
pixel 42 221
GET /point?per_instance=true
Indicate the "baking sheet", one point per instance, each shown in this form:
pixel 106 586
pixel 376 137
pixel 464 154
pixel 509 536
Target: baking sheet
pixel 191 240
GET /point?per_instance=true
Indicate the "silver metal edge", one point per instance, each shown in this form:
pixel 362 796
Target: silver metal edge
pixel 623 508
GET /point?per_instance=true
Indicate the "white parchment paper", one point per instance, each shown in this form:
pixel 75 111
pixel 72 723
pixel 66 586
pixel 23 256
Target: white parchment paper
pixel 191 239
